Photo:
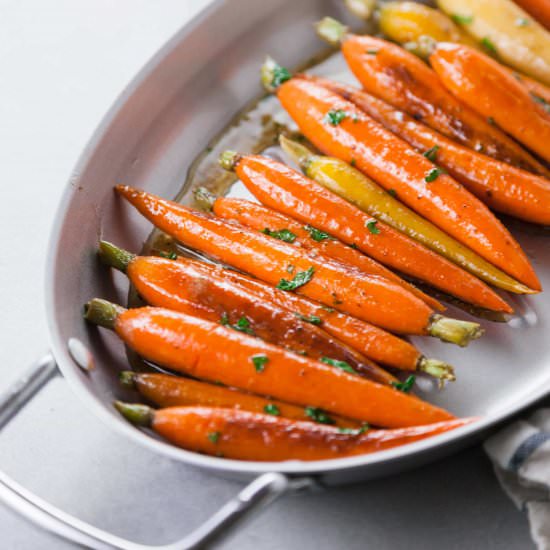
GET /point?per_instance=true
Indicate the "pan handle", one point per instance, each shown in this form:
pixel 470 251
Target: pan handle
pixel 261 491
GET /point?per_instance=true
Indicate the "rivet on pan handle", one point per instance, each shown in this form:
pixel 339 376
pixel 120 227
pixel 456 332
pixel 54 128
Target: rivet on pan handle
pixel 261 491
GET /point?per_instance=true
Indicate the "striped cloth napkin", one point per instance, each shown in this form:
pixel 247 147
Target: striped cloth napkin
pixel 521 458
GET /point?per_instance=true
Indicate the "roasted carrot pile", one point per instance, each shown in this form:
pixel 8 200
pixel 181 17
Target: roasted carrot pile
pixel 286 339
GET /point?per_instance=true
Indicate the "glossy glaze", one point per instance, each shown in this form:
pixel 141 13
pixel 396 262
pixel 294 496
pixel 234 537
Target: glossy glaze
pixel 393 164
pixel 209 351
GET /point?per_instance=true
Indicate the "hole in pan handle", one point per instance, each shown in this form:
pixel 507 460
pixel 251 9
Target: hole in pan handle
pixel 261 491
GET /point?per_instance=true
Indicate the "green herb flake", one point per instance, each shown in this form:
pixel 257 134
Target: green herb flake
pixel 280 75
pixel 318 415
pixel 491 120
pixel 284 235
pixel 433 174
pixel 312 319
pixel 541 101
pixel 300 279
pixel 355 431
pixel 462 19
pixel 260 361
pixel 372 52
pixel 372 226
pixel 338 364
pixel 335 116
pixel 431 153
pixel 214 436
pixel 488 46
pixel 317 234
pixel 352 162
pixel 328 309
pixel 405 386
pixel 169 255
pixel 270 408
pixel 522 22
pixel 224 320
pixel 392 192
pixel 242 325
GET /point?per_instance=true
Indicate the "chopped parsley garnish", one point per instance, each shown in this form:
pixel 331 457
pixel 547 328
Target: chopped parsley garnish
pixel 300 279
pixel 318 415
pixel 431 153
pixel 537 99
pixel 405 386
pixel 335 116
pixel 462 19
pixel 260 361
pixel 317 234
pixel 489 46
pixel 242 325
pixel 313 319
pixel 433 174
pixel 214 436
pixel 352 162
pixel 338 364
pixel 392 192
pixel 270 408
pixel 372 52
pixel 371 225
pixel 328 308
pixel 169 255
pixel 522 22
pixel 491 120
pixel 282 234
pixel 280 75
pixel 355 431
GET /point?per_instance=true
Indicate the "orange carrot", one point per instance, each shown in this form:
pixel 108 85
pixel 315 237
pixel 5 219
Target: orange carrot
pixel 489 89
pixel 397 76
pixel 371 298
pixel 212 352
pixel 182 287
pixel 395 165
pixel 539 92
pixel 261 218
pixel 280 187
pixel 165 390
pixel 371 341
pixel 244 435
pixel 499 185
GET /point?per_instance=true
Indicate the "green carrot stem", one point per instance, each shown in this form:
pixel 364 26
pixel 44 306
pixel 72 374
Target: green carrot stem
pixel 102 313
pixel 454 331
pixel 113 256
pixel 140 415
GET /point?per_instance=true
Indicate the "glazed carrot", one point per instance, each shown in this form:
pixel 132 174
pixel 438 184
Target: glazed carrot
pixel 482 84
pixel 539 9
pixel 502 187
pixel 350 184
pixel 379 345
pixel 261 218
pixel 182 287
pixel 392 163
pixel 369 297
pixel 165 390
pixel 244 435
pixel 284 189
pixel 400 78
pixel 538 91
pixel 212 352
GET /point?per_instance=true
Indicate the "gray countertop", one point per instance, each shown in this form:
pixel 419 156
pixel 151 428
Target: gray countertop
pixel 62 64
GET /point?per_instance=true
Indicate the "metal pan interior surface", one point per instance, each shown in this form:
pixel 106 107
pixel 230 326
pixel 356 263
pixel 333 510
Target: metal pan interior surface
pixel 185 95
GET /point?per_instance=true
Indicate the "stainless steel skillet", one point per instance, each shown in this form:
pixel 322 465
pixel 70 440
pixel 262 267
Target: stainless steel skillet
pixel 186 94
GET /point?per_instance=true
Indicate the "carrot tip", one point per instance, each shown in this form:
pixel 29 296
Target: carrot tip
pixel 454 331
pixel 127 378
pixel 331 30
pixel 228 160
pixel 113 256
pixel 204 198
pixel 300 154
pixel 102 313
pixel 436 368
pixel 361 8
pixel 140 415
